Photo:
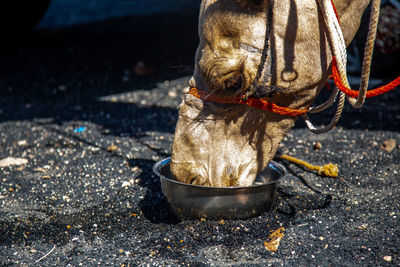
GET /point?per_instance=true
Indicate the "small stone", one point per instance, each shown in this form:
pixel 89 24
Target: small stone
pixel 22 143
pixel 62 87
pixel 321 238
pixel 45 177
pixel 94 149
pixel 39 170
pixel 10 161
pixel 135 168
pixel 317 145
pixel 387 258
pixel 389 145
pixel 363 226
pixel 112 148
pixel 126 184
pixel 172 94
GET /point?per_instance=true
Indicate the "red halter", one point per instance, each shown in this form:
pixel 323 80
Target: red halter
pixel 251 101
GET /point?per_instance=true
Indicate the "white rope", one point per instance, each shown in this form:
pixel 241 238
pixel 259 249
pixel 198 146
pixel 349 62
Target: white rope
pixel 327 103
pixel 335 119
pixel 368 51
pixel 338 47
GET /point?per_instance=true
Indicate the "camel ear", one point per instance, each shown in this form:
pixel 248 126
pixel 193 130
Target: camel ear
pixel 252 3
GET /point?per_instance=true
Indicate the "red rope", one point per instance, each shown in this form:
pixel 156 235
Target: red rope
pixel 251 101
pixel 353 93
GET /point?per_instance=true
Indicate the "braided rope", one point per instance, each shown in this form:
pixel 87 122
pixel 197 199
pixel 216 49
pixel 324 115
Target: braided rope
pixel 354 93
pixel 250 101
pixel 369 49
pixel 329 170
pixel 334 120
pixel 338 46
pixel 327 103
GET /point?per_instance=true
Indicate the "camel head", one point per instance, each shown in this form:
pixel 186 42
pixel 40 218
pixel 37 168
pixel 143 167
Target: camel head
pixel 280 50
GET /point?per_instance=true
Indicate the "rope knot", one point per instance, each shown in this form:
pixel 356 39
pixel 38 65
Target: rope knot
pixel 329 170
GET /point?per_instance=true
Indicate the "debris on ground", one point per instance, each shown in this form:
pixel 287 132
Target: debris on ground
pixel 389 145
pixel 274 240
pixel 10 161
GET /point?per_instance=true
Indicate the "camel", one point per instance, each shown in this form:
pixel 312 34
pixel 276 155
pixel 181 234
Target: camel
pixel 279 50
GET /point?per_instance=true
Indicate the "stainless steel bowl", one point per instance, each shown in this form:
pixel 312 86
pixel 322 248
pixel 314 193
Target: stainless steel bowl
pixel 194 202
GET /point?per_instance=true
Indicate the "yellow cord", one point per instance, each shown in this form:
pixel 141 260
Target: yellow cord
pixel 329 170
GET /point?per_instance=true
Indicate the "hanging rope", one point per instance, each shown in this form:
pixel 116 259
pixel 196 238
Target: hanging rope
pixel 353 93
pixel 338 46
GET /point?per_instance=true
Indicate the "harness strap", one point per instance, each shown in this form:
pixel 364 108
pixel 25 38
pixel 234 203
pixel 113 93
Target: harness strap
pixel 250 101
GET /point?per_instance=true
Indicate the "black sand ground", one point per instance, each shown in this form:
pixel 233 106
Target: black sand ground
pixel 91 130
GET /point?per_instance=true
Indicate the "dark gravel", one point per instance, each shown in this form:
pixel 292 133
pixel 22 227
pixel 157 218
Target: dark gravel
pixel 91 130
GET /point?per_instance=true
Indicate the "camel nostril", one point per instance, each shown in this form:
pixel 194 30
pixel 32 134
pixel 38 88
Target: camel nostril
pixel 193 180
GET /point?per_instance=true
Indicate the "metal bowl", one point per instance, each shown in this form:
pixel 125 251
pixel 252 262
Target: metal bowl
pixel 194 202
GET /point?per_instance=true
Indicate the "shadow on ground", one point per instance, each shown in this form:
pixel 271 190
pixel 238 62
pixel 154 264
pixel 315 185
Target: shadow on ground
pixel 62 73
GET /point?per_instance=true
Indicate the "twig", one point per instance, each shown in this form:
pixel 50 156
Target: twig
pixel 47 254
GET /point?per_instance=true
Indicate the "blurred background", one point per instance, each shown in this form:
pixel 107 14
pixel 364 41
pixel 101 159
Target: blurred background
pixel 20 14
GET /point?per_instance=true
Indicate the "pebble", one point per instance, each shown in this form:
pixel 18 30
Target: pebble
pixel 387 258
pixel 39 170
pixel 127 183
pixel 317 145
pixel 112 148
pixel 172 94
pixel 135 168
pixel 22 143
pixel 10 161
pixel 363 226
pixel 389 145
